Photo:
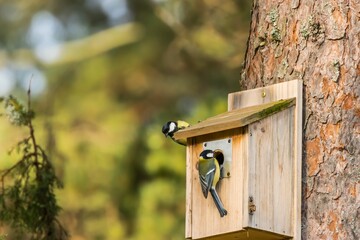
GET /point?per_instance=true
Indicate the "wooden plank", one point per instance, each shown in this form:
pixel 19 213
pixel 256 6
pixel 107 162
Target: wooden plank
pixel 246 178
pixel 206 220
pixel 273 93
pixel 272 174
pixel 188 207
pixel 257 96
pixel 283 135
pixel 234 119
pixel 261 180
pixel 248 233
pixel 298 138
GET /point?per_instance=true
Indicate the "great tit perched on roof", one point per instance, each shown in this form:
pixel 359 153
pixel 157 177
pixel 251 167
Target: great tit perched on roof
pixel 209 173
pixel 171 127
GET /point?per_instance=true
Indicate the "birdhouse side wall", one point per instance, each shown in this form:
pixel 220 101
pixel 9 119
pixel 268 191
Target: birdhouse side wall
pixel 203 215
pixel 271 173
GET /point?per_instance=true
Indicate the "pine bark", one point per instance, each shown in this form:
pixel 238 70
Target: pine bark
pixel 318 42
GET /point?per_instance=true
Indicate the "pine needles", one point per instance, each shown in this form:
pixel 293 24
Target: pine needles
pixel 27 199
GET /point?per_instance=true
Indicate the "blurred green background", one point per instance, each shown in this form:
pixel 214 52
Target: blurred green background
pixel 107 74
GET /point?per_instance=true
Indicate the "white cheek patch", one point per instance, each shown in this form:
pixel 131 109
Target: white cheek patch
pixel 172 127
pixel 210 155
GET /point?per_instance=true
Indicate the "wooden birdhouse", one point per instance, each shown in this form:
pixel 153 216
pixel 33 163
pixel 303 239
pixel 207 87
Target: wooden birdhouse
pixel 260 138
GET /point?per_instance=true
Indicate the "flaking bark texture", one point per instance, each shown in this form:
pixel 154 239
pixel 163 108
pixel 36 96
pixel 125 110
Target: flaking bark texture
pixel 318 42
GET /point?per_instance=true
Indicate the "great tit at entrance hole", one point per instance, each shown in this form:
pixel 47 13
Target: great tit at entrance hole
pixel 171 127
pixel 209 174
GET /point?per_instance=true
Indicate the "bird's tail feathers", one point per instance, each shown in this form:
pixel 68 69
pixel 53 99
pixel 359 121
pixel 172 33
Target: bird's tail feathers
pixel 218 202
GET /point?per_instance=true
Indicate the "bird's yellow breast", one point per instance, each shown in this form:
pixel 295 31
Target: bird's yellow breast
pixel 217 173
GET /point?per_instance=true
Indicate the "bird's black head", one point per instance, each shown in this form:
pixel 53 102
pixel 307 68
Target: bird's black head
pixel 207 154
pixel 169 128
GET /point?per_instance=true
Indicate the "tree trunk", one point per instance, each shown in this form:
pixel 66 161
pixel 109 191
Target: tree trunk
pixel 318 42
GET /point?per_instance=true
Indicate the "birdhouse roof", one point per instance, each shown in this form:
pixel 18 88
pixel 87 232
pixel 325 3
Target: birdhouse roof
pixel 234 119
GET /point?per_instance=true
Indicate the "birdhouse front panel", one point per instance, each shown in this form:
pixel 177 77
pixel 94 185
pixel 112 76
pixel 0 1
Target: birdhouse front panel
pixel 205 218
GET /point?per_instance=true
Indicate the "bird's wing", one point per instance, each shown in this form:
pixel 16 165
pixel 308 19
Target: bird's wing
pixel 206 171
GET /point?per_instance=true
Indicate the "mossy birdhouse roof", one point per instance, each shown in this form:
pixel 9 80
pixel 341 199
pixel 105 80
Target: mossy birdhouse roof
pixel 234 119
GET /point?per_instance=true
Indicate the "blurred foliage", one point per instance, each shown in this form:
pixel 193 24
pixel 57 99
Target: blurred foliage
pixel 27 199
pixel 123 69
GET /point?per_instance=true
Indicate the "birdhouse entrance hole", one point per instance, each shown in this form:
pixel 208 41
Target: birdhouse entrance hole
pixel 224 151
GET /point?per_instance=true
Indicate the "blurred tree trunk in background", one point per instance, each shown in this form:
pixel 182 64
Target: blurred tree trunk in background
pixel 318 42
